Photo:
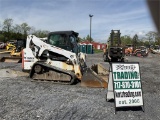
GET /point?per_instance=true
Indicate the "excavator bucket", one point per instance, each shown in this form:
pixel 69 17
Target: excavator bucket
pixel 96 76
pixel 11 59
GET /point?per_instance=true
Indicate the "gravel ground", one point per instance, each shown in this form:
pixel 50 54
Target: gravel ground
pixel 24 99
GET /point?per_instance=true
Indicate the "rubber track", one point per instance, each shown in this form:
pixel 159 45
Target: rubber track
pixel 53 68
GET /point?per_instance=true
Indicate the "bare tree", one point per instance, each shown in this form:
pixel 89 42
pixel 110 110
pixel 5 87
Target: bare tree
pixel 25 28
pixel 151 37
pixel 41 33
pixel 17 29
pixel 0 26
pixel 7 24
pixel 32 30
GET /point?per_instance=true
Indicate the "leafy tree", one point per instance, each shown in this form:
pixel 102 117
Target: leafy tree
pixel 126 40
pixel 135 41
pixel 15 36
pixel 84 39
pixel 146 43
pixel 2 38
pixel 88 38
pixel 140 43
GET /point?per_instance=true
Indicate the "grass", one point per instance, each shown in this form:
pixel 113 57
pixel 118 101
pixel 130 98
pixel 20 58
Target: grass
pixel 97 51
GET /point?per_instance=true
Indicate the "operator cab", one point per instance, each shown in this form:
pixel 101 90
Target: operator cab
pixel 64 39
pixel 20 44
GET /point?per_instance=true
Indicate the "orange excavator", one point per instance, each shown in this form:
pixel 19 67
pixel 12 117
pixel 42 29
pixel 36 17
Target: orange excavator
pixel 128 50
pixel 134 49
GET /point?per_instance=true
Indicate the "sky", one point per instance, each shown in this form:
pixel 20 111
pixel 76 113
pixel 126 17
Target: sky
pixel 129 16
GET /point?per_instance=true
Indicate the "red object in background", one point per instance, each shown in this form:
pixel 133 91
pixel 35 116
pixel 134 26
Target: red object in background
pixel 139 55
pixel 96 45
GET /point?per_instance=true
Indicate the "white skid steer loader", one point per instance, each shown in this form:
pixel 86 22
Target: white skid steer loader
pixel 58 59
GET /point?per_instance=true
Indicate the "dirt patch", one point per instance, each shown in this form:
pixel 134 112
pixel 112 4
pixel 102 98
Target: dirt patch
pixel 11 73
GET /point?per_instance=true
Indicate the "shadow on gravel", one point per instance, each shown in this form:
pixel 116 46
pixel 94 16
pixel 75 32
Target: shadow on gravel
pixel 139 108
pixel 111 100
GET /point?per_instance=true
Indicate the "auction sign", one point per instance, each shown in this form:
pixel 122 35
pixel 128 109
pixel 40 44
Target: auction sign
pixel 127 84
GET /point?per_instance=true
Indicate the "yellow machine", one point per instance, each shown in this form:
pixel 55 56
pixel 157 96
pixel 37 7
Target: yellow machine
pixel 20 45
pixel 10 47
pixel 15 53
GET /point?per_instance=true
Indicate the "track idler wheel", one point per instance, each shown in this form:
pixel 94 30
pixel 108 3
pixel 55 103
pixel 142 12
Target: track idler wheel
pixel 38 69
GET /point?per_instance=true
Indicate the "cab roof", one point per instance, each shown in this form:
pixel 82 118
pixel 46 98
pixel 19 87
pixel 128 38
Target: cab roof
pixel 65 32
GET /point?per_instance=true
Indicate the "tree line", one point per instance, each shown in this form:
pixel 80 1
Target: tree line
pixel 11 31
pixel 151 38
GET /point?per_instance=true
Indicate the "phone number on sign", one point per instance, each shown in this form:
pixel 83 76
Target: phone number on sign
pixel 127 84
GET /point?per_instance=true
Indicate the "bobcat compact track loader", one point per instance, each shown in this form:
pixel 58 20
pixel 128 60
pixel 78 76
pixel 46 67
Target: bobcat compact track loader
pixel 58 59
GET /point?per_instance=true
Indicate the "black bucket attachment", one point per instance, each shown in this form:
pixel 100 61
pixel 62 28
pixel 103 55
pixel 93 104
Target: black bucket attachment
pixel 96 76
pixel 11 59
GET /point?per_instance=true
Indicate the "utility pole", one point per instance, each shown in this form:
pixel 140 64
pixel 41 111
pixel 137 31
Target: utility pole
pixel 90 25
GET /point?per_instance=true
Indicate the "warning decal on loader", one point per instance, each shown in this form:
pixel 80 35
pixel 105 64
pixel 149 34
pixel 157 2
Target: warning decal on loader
pixel 127 84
